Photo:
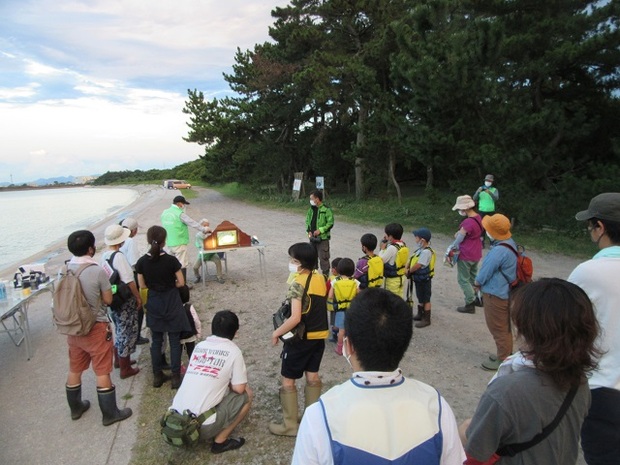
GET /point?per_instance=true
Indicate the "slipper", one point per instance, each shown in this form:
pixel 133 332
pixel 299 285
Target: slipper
pixel 229 444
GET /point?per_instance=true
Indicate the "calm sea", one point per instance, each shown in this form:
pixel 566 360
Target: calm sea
pixel 33 220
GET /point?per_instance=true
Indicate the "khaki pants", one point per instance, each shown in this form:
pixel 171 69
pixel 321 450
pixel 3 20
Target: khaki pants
pixel 497 316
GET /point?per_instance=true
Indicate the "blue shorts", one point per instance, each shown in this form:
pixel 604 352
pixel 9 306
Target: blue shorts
pixel 423 291
pixel 339 319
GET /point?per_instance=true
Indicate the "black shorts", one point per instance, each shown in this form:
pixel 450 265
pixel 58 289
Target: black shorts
pixel 300 357
pixel 423 291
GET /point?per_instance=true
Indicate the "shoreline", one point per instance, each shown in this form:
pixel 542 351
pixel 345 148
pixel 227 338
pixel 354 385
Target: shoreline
pixel 53 255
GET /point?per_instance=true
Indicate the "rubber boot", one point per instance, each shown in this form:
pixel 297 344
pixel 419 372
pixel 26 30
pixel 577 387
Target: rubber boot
pixel 420 314
pixel 176 381
pixel 468 308
pixel 425 321
pixel 76 404
pixel 159 379
pixel 312 394
pixel 288 400
pixel 117 363
pixel 126 370
pixel 107 404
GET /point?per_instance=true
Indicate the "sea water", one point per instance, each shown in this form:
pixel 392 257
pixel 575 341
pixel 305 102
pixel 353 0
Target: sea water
pixel 32 220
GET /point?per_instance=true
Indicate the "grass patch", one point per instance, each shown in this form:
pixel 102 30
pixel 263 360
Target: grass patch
pixel 417 209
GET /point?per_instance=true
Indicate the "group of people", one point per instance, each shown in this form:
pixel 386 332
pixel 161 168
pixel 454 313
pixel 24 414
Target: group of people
pixel 561 384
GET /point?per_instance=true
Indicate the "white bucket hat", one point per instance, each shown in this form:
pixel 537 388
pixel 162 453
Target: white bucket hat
pixel 464 202
pixel 116 234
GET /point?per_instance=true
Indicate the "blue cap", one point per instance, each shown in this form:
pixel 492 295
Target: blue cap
pixel 423 233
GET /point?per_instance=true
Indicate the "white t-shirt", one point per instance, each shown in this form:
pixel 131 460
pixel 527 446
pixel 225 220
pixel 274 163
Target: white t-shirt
pixel 216 362
pixel 120 264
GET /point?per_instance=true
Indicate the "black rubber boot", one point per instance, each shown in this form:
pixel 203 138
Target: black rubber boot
pixel 176 381
pixel 468 308
pixel 76 404
pixel 159 379
pixel 425 321
pixel 418 317
pixel 107 404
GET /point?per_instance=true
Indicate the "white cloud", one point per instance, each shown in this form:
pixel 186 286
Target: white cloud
pixel 88 86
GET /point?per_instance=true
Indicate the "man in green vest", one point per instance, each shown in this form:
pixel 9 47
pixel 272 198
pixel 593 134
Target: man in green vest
pixel 486 196
pixel 175 221
pixel 319 223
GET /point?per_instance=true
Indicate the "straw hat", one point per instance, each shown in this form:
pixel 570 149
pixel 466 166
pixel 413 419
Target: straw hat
pixel 116 234
pixel 498 226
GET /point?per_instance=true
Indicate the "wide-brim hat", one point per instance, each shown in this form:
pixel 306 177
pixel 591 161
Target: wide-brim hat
pixel 464 202
pixel 498 226
pixel 489 177
pixel 116 234
pixel 603 206
pixel 130 223
pixel 423 233
pixel 180 199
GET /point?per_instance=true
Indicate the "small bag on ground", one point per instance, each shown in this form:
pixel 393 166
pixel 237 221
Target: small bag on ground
pixel 182 429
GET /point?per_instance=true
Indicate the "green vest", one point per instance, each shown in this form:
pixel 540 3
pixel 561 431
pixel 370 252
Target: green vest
pixel 177 232
pixel 486 202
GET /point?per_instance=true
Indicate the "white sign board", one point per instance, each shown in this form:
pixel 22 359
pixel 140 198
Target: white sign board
pixel 297 185
pixel 320 182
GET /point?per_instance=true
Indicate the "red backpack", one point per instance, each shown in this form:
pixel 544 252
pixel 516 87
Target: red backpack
pixel 525 267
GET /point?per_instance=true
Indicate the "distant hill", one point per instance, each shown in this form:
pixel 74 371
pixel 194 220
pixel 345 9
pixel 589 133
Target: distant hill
pixel 56 180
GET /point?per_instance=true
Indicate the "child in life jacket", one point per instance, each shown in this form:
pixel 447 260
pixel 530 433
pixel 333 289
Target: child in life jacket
pixel 395 254
pixel 333 277
pixel 369 268
pixel 341 294
pixel 420 271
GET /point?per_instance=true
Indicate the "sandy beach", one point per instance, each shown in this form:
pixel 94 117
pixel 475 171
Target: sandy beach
pixel 37 427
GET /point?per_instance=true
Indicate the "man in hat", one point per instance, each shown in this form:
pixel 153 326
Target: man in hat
pixel 598 277
pixel 486 196
pixel 498 271
pixel 175 221
pixel 467 242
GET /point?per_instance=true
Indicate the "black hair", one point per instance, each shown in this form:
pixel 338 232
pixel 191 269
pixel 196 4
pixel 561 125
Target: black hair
pixel 225 324
pixel 369 241
pixel 156 237
pixel 379 325
pixel 395 230
pixel 612 229
pixel 79 242
pixel 335 262
pixel 184 293
pixel 318 194
pixel 305 253
pixel 556 320
pixel 346 267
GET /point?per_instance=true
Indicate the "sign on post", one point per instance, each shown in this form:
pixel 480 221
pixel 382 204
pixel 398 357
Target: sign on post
pixel 297 185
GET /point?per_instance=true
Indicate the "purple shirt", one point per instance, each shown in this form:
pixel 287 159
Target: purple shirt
pixel 471 247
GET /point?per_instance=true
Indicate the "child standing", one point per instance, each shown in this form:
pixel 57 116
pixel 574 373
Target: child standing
pixel 188 339
pixel 395 254
pixel 420 271
pixel 333 277
pixel 369 268
pixel 341 294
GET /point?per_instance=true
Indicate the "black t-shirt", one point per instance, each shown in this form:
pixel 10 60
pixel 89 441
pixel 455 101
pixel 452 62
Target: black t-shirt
pixel 160 274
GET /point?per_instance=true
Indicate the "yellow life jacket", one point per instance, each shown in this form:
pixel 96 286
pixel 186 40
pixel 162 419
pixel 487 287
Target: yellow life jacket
pixel 402 256
pixel 344 291
pixel 425 273
pixel 375 271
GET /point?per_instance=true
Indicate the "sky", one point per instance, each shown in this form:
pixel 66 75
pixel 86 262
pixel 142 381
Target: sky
pixel 89 86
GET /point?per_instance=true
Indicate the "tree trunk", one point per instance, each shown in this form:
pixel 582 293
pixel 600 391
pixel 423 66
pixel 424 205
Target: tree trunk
pixel 359 161
pixel 393 177
pixel 429 177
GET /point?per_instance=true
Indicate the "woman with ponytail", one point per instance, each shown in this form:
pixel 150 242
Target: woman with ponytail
pixel 161 274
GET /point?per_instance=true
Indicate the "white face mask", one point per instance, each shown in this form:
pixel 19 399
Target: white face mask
pixel 462 213
pixel 313 203
pixel 346 356
pixel 488 183
pixel 490 237
pixel 293 268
